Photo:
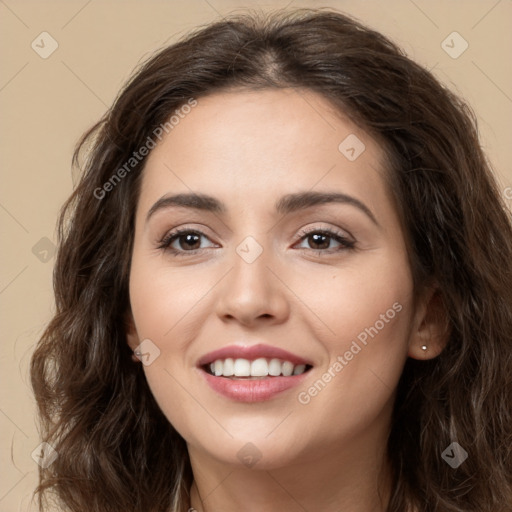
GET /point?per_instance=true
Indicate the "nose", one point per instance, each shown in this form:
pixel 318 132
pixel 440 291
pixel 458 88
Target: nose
pixel 252 293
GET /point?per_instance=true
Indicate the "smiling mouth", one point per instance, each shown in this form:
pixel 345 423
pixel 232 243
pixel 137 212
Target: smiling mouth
pixel 258 369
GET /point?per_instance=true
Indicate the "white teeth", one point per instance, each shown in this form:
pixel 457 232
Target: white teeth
pixel 287 368
pixel 274 367
pixel 242 368
pixel 300 368
pixel 258 368
pixel 229 367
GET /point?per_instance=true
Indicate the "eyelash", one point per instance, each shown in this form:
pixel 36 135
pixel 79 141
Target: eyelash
pixel 346 244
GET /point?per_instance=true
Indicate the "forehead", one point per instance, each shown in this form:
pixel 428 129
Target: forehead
pixel 245 144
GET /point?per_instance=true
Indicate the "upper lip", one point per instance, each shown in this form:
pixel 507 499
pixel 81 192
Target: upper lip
pixel 251 352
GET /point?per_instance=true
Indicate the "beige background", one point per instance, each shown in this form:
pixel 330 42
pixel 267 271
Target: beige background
pixel 47 103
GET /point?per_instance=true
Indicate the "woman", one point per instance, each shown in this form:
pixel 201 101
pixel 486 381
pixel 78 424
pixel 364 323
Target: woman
pixel 284 282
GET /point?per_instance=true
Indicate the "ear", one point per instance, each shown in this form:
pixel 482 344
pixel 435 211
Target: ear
pixel 132 337
pixel 430 326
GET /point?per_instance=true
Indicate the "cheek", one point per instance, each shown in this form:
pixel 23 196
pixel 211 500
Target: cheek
pixel 369 299
pixel 365 315
pixel 168 309
pixel 162 304
pixel 162 297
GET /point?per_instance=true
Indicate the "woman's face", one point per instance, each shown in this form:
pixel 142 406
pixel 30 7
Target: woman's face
pixel 325 280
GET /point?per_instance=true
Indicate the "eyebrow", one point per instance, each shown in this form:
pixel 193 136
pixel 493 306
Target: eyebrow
pixel 285 205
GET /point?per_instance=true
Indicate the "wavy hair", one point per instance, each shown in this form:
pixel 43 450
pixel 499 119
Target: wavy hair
pixel 116 449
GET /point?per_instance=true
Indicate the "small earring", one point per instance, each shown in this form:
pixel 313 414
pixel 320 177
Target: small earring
pixel 424 347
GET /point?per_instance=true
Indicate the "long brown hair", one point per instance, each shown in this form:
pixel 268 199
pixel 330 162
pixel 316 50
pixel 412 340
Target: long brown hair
pixel 116 449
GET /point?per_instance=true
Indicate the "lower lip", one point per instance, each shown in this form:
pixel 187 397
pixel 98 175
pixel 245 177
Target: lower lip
pixel 245 390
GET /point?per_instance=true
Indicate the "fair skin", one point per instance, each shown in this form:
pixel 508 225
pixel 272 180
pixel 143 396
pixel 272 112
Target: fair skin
pixel 248 149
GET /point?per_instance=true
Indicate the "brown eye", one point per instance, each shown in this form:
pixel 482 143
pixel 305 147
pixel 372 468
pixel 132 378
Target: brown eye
pixel 188 241
pixel 319 240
